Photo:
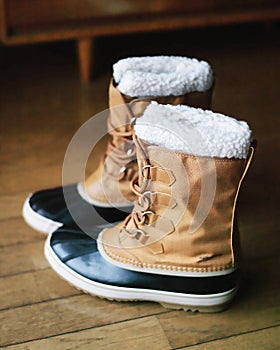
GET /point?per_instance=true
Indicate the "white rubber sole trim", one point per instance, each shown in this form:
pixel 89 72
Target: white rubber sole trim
pixel 37 221
pixel 188 302
pixel 82 192
pixel 158 271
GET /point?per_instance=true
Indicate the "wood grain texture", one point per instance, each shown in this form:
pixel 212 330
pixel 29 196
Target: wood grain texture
pixel 28 258
pixel 33 287
pixel 268 339
pixel 139 334
pixel 11 205
pixel 15 232
pixel 257 306
pixel 67 315
pixel 22 13
pixel 121 21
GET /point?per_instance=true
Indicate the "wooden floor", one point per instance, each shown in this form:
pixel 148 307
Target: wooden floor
pixel 41 106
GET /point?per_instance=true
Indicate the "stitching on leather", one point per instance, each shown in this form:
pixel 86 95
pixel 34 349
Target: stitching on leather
pixel 167 267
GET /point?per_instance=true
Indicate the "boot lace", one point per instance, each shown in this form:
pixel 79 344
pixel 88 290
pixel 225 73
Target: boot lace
pixel 124 154
pixel 141 212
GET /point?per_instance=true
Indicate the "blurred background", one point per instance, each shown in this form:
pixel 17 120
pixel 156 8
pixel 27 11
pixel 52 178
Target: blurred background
pixel 55 66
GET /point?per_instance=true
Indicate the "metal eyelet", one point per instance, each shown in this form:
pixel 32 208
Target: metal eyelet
pixel 143 168
pixel 147 212
pixel 136 231
pixel 144 194
pixel 122 170
pixel 133 121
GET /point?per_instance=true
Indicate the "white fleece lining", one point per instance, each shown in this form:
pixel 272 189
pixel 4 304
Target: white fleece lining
pixel 194 131
pixel 162 75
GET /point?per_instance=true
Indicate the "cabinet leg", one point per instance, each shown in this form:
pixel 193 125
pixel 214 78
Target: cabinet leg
pixel 85 53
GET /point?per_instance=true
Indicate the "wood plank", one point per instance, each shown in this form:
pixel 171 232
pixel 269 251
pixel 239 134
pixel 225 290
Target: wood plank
pixel 268 339
pixel 33 287
pixel 139 334
pixel 45 177
pixel 140 25
pixel 49 173
pixel 183 330
pixel 11 205
pixel 14 231
pixel 27 13
pixel 67 315
pixel 29 257
pixel 257 306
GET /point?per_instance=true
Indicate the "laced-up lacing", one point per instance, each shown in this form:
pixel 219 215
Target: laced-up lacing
pixel 121 155
pixel 141 212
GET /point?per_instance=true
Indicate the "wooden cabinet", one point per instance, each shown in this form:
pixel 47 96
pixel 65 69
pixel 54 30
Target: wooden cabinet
pixel 32 21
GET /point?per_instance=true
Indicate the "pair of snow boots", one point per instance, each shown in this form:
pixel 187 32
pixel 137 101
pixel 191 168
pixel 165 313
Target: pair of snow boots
pixel 156 220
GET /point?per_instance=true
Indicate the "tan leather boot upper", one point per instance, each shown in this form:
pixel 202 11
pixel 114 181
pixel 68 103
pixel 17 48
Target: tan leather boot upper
pixel 183 220
pixel 109 185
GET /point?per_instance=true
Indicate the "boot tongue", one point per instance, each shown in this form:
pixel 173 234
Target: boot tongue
pixel 119 162
pixel 142 160
pixel 123 109
pixel 120 115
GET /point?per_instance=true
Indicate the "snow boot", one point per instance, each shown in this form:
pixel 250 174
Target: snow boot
pixel 180 244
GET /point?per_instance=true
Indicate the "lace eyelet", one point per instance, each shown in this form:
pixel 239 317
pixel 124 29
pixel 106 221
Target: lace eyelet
pixel 147 212
pixel 143 168
pixel 133 121
pixel 122 170
pixel 136 231
pixel 146 193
